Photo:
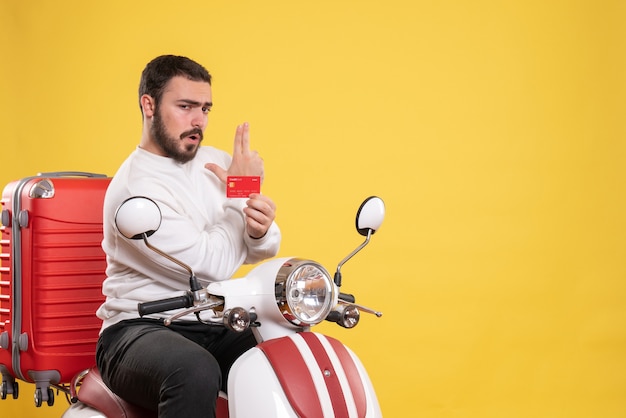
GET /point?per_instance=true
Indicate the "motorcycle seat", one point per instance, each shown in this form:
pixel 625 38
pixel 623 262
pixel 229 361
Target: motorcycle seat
pixel 96 394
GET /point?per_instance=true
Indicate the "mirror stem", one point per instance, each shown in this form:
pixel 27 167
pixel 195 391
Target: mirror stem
pixel 337 277
pixel 193 282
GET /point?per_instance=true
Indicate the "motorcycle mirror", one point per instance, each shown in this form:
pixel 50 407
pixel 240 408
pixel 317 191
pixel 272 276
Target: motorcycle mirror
pixel 138 217
pixel 370 215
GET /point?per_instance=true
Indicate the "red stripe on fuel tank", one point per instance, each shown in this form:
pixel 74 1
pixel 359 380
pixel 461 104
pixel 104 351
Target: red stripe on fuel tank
pixel 353 376
pixel 335 391
pixel 293 375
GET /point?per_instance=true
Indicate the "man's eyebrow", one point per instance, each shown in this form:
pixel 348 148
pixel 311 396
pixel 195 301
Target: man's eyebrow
pixel 195 103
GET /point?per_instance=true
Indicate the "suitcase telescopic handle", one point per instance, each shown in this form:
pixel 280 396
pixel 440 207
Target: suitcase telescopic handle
pixel 178 302
pixel 70 174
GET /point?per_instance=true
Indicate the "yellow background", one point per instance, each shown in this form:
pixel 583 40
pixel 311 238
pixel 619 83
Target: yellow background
pixel 494 130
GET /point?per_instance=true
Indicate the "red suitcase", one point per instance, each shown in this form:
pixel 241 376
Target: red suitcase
pixel 51 273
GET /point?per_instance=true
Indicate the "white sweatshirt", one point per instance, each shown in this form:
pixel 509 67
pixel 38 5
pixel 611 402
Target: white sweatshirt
pixel 200 227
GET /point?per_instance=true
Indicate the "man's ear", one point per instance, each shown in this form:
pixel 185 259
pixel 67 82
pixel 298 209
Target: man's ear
pixel 147 105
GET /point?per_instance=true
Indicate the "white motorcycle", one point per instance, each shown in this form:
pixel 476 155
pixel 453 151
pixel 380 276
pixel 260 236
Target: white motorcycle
pixel 292 372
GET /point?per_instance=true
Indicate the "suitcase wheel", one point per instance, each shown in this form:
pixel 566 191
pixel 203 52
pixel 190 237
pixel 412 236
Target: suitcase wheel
pixel 40 394
pixel 10 387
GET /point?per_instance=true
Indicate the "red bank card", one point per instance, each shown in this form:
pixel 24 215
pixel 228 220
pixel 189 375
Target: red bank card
pixel 242 186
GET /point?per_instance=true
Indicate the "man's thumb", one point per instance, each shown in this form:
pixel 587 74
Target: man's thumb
pixel 217 170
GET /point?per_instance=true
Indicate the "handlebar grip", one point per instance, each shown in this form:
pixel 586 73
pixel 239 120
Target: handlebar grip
pixel 178 302
pixel 346 297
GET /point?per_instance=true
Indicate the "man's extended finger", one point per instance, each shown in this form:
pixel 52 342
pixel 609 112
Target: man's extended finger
pixel 237 146
pixel 245 140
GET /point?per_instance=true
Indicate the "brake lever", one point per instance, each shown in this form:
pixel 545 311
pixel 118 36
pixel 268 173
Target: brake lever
pixel 210 303
pixel 362 308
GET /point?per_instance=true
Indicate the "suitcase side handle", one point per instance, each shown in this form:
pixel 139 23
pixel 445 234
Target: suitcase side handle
pixel 70 174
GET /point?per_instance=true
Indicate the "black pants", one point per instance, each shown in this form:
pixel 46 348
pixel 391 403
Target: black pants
pixel 177 370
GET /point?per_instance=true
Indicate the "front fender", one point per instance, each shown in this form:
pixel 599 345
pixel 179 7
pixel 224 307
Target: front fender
pixel 307 375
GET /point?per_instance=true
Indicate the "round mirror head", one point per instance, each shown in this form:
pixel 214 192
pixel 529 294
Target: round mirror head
pixel 137 216
pixel 370 215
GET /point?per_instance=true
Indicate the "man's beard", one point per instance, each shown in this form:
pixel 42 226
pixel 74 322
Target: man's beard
pixel 171 145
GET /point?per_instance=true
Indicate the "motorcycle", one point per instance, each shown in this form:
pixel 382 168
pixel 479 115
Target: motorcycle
pixel 293 371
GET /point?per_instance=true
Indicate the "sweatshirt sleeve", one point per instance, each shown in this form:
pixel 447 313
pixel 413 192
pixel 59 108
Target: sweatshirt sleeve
pixel 265 247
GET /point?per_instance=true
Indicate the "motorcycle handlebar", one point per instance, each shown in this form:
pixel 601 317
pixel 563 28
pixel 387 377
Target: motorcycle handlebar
pixel 178 302
pixel 346 297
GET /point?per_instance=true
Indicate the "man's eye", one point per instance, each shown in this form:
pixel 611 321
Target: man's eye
pixel 206 109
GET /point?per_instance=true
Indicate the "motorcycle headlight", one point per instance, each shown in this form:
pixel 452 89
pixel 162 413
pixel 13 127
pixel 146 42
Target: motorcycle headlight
pixel 305 292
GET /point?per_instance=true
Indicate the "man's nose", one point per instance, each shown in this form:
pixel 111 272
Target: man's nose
pixel 199 119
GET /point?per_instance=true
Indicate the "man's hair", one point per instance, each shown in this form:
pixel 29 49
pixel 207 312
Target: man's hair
pixel 162 69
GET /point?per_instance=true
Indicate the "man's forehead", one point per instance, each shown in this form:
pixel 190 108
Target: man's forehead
pixel 181 87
